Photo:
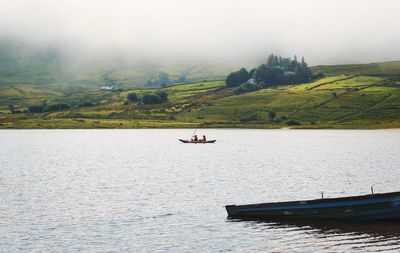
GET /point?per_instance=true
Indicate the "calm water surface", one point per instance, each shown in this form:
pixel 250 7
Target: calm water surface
pixel 142 190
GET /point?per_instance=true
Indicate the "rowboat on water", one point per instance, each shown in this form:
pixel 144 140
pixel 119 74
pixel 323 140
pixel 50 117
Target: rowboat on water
pixel 196 140
pixel 384 206
pixel 199 141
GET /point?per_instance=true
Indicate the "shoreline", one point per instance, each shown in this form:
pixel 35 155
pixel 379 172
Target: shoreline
pixel 219 128
pixel 66 123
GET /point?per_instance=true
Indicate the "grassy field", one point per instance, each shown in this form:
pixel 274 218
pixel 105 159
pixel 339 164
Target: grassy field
pixel 355 103
pixel 343 100
pixel 374 69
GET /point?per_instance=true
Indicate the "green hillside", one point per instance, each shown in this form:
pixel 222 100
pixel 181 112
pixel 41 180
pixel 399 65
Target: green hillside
pixel 342 101
pixel 375 69
pixel 41 89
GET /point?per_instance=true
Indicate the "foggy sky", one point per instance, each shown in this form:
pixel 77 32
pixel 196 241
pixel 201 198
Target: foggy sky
pixel 324 31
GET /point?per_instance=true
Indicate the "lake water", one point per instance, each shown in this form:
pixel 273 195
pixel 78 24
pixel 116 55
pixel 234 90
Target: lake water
pixel 143 191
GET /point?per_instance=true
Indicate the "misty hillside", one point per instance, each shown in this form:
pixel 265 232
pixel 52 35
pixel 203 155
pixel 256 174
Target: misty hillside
pixel 56 70
pixel 46 89
pixel 61 71
pixel 51 87
pixel 391 68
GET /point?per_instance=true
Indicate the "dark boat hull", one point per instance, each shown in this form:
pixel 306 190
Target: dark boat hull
pixel 186 141
pixel 368 207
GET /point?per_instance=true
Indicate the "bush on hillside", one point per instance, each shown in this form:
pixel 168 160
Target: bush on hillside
pixel 48 108
pixel 162 95
pixel 36 108
pixel 292 123
pixel 155 98
pixel 271 115
pixel 57 107
pixel 133 97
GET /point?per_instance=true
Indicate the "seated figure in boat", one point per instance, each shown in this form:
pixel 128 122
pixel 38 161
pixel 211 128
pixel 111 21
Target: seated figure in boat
pixel 204 138
pixel 195 138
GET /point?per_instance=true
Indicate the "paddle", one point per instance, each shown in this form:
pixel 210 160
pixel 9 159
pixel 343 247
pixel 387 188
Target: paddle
pixel 193 134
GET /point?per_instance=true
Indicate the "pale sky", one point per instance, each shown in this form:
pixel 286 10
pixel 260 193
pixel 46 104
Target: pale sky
pixel 324 31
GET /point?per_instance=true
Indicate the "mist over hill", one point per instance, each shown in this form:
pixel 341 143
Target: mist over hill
pixel 191 63
pixel 59 68
pixel 83 45
pixel 207 32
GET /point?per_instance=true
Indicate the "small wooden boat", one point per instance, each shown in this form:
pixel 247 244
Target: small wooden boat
pixel 384 206
pixel 188 141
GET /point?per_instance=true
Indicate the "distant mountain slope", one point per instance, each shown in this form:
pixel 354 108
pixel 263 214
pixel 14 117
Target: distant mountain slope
pixel 52 69
pixel 377 69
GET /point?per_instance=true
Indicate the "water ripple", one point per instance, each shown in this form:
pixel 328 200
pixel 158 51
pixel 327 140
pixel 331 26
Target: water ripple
pixel 142 190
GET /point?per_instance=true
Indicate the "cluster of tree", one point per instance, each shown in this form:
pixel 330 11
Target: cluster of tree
pixel 149 98
pixel 237 77
pixel 275 71
pixel 54 107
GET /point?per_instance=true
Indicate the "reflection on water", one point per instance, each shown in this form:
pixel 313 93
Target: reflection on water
pixel 144 191
pixel 332 234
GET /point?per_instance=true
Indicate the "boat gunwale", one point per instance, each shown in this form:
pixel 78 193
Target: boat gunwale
pixel 316 201
pixel 195 142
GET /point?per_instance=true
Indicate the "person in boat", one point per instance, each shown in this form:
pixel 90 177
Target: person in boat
pixel 195 138
pixel 204 138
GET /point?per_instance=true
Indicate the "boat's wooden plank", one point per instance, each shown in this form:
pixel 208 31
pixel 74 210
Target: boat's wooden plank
pixel 373 206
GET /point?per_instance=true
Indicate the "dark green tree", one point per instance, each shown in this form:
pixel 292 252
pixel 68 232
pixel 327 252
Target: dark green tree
pixel 269 76
pixel 36 108
pixel 236 78
pixel 251 73
pixel 133 97
pixel 231 80
pixel 155 98
pixel 57 107
pixel 271 115
pixel 162 95
pixel 270 61
pixel 150 98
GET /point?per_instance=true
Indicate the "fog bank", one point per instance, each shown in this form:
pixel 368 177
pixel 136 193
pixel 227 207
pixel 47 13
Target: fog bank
pixel 240 31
